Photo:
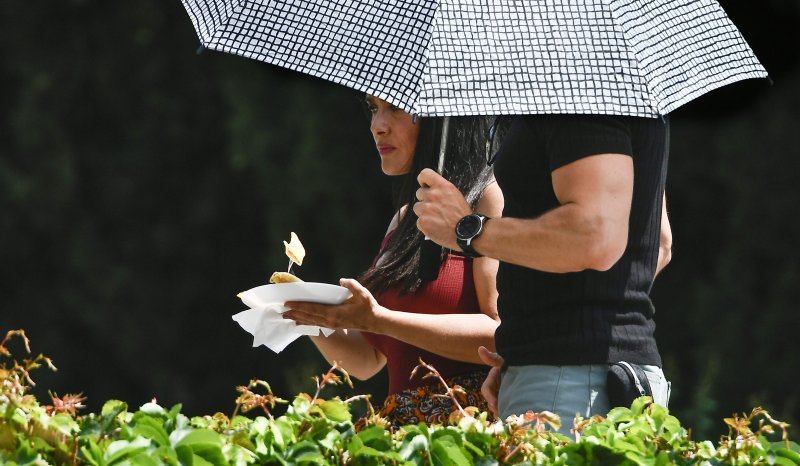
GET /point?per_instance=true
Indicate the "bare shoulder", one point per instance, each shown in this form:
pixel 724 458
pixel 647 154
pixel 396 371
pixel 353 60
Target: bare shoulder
pixel 491 201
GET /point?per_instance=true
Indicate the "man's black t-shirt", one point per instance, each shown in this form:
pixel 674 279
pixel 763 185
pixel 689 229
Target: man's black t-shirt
pixel 587 317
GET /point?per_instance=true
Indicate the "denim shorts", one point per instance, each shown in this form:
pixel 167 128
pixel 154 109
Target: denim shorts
pixel 566 390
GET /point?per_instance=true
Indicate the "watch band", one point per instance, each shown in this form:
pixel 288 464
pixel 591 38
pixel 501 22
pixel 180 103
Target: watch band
pixel 465 241
pixel 468 250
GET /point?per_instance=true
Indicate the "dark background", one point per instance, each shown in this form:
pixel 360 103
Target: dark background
pixel 143 186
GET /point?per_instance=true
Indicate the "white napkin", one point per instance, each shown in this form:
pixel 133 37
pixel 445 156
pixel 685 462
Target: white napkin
pixel 270 329
pixel 264 321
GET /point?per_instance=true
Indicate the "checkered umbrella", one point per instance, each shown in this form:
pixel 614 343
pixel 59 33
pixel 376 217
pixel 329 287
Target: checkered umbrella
pixel 491 57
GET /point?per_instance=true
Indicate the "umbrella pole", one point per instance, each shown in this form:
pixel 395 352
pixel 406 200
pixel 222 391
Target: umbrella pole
pixel 430 253
pixel 443 144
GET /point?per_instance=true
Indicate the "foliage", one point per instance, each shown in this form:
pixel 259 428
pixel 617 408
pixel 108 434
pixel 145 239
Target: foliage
pixel 142 186
pixel 317 431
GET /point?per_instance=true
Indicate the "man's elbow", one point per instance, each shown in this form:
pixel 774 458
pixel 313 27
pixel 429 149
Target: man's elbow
pixel 605 259
pixel 606 247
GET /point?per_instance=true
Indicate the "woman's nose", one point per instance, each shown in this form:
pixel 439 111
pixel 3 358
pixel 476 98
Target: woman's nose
pixel 379 124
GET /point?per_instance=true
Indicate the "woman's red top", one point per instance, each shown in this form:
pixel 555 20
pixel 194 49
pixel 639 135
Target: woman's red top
pixel 453 292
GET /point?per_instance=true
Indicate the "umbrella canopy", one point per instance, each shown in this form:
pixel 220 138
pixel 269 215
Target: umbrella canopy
pixel 492 57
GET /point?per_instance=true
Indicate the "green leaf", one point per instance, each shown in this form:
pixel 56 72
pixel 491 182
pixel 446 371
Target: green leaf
pixel 198 460
pixel 787 453
pixel 238 455
pixel 281 433
pixel 639 404
pixel 482 440
pixel 40 444
pixel 423 428
pixel 354 445
pixel 449 433
pixel 204 444
pixel 63 423
pixel 672 424
pixel 152 429
pixel 241 421
pixel 104 424
pixel 331 439
pixel 27 455
pixel 123 449
pixel 192 438
pixel 211 453
pixel 336 410
pixel 375 437
pixel 185 455
pixel 472 448
pixel 412 445
pixel 307 452
pixel 365 451
pixel 412 429
pixel 641 459
pixel 113 408
pixel 167 455
pixel 300 405
pixel 153 409
pixel 143 460
pixel 174 411
pixel 781 461
pixel 486 461
pixel 365 454
pixel 448 453
pixel 619 414
pixel 92 452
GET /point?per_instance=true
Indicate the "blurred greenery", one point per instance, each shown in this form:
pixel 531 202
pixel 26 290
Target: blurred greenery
pixel 143 186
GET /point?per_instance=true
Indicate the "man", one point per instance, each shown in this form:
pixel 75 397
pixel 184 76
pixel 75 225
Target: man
pixel 582 236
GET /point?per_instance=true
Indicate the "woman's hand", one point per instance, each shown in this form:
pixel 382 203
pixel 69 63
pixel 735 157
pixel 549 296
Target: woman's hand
pixel 359 312
pixel 491 386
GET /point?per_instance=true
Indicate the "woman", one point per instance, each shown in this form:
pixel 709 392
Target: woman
pixel 394 318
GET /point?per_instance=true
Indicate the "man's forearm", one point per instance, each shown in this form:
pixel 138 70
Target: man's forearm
pixel 566 239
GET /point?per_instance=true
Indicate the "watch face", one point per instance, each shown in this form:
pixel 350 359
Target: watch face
pixel 468 226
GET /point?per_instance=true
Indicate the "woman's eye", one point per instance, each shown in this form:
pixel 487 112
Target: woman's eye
pixel 372 109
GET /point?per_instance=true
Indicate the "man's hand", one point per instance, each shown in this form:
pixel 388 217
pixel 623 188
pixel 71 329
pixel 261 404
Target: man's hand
pixel 491 386
pixel 440 205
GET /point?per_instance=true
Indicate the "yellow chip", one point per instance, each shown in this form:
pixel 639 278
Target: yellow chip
pixel 284 277
pixel 295 250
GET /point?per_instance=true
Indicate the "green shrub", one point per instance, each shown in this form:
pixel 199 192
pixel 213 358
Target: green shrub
pixel 316 431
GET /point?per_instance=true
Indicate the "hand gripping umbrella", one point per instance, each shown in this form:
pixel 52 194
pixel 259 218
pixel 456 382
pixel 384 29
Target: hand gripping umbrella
pixel 430 253
pixel 445 58
pixel 490 57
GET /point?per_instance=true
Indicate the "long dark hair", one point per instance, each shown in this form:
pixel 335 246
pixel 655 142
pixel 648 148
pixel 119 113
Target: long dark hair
pixel 465 166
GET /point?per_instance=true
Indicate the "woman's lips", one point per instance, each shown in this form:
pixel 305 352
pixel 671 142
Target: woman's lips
pixel 384 149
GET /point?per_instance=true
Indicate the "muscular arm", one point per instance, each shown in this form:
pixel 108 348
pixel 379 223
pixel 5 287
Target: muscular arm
pixel 588 230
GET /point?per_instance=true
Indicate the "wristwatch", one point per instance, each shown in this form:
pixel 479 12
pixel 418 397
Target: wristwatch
pixel 467 229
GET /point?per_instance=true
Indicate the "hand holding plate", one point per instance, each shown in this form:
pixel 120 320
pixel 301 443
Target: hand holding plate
pixel 359 312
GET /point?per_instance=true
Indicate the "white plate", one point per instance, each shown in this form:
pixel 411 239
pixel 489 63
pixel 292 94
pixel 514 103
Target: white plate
pixel 278 293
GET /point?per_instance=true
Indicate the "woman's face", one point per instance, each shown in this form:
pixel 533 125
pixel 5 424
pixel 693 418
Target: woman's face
pixel 395 136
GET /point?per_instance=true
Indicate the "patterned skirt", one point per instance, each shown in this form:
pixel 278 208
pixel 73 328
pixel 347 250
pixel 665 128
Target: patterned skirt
pixel 421 404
